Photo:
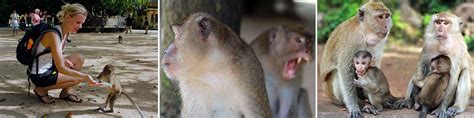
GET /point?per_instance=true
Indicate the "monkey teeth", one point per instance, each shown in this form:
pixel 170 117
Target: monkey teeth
pixel 300 58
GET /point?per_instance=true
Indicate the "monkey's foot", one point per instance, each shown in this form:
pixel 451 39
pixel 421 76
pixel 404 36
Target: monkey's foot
pixel 454 110
pixel 403 104
pixel 417 107
pixel 356 114
pixel 104 111
pixel 370 109
pixel 439 113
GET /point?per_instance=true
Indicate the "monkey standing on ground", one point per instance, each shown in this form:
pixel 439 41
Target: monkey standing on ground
pixel 373 82
pixel 218 73
pixel 281 50
pixel 434 84
pixel 443 37
pixel 120 39
pixel 115 91
pixel 368 30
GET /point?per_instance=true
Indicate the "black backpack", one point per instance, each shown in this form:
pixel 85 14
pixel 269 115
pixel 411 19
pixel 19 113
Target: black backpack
pixel 26 49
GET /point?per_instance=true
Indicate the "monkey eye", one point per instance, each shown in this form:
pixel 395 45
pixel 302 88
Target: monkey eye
pixel 446 23
pixel 381 16
pixel 438 22
pixel 357 62
pixel 300 39
pixel 363 63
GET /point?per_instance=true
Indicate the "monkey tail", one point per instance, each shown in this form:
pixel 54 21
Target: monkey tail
pixel 136 106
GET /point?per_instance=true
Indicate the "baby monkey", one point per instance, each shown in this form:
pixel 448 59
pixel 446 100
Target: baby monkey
pixel 433 86
pixel 373 83
pixel 115 89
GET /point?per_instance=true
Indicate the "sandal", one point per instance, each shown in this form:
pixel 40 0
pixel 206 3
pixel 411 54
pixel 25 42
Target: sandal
pixel 72 98
pixel 41 98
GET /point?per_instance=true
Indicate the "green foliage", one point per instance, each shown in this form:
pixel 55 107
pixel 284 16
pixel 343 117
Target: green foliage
pixel 335 12
pixel 117 7
pixel 469 42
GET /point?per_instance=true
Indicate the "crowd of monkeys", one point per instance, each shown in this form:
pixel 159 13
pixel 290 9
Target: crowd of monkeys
pixel 219 75
pixel 441 84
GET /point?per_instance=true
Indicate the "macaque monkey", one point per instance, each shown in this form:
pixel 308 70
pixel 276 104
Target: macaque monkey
pixel 282 51
pixel 120 39
pixel 373 82
pixel 115 90
pixel 368 30
pixel 218 73
pixel 434 84
pixel 443 37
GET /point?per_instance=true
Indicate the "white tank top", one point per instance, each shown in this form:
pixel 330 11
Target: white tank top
pixel 45 61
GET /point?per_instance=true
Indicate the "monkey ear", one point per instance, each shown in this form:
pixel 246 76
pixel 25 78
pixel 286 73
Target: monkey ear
pixel 176 29
pixel 273 33
pixel 361 13
pixel 205 27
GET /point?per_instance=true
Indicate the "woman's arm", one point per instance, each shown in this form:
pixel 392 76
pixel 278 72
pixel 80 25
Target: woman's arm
pixel 50 39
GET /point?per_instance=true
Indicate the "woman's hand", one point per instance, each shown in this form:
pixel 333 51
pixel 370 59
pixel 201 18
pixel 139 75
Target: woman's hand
pixel 92 82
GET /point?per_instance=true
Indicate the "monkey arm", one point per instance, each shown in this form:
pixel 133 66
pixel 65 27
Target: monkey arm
pixel 421 70
pixel 463 90
pixel 348 88
pixel 451 89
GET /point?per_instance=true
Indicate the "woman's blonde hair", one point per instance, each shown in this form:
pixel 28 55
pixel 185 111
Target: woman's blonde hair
pixel 71 10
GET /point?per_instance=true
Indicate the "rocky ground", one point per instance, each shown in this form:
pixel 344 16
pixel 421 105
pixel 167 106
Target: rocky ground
pixel 136 65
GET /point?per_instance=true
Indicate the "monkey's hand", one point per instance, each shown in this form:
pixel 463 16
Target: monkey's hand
pixel 360 82
pixel 454 110
pixel 370 109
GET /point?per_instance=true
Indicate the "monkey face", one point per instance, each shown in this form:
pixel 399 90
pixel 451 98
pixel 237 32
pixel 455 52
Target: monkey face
pixel 106 73
pixel 361 64
pixel 444 23
pixel 197 46
pixel 291 44
pixel 434 66
pixel 440 64
pixel 169 61
pixel 377 18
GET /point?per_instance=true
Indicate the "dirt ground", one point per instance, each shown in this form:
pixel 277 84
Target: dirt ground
pixel 398 65
pixel 136 65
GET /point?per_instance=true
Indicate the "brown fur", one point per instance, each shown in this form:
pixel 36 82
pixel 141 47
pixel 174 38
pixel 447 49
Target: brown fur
pixel 446 41
pixel 277 49
pixel 364 31
pixel 218 73
pixel 115 91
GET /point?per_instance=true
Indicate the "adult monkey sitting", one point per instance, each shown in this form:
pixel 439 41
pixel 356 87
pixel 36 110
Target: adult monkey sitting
pixel 368 30
pixel 443 36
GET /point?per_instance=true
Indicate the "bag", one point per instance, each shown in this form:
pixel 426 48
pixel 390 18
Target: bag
pixel 26 49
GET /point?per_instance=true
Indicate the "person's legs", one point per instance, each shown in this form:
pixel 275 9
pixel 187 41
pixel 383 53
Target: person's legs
pixel 64 82
pixel 146 29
